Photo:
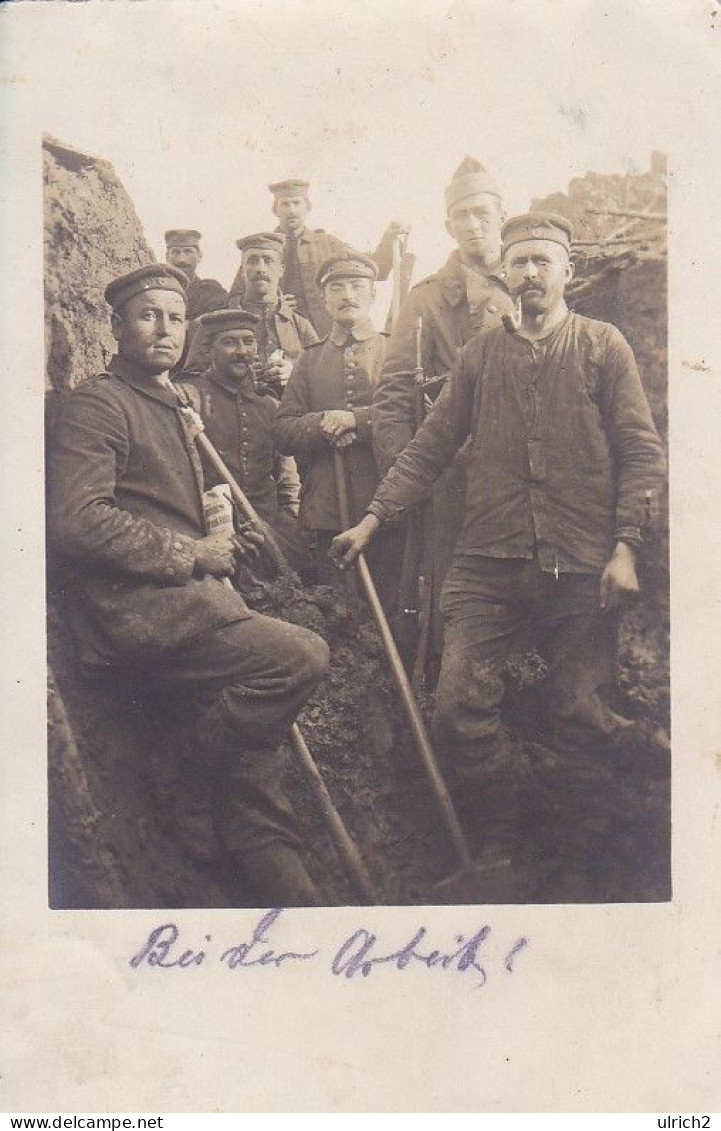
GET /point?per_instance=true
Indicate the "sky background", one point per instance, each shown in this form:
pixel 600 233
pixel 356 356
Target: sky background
pixel 200 105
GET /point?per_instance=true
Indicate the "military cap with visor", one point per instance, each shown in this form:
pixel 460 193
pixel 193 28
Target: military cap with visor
pixel 537 226
pixel 262 241
pixel 292 187
pixel 153 277
pixel 182 237
pixel 218 321
pixel 347 265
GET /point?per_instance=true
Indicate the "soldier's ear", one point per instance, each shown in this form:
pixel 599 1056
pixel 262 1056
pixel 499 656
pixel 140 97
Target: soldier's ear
pixel 116 324
pixel 448 228
pixel 570 268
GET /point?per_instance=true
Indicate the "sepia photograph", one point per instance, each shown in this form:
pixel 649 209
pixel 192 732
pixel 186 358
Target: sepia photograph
pixel 352 487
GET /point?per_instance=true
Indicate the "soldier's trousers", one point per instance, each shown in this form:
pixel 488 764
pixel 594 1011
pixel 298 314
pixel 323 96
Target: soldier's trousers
pixel 490 605
pixel 239 688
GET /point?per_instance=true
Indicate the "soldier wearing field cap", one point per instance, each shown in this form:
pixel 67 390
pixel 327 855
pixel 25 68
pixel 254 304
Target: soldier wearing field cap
pixel 327 405
pixel 127 513
pixel 281 332
pixel 562 462
pixel 239 422
pixel 305 249
pixel 465 296
pixel 183 251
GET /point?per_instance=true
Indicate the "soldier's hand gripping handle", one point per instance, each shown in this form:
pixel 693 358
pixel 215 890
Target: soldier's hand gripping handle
pixel 346 547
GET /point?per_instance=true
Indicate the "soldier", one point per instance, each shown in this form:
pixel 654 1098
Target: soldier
pixel 183 251
pixel 306 249
pixel 562 460
pixel 327 406
pixel 239 422
pixel 281 333
pixel 465 296
pixel 126 511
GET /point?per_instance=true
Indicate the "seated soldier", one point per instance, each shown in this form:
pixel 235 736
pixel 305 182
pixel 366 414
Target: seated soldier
pixel 126 511
pixel 239 421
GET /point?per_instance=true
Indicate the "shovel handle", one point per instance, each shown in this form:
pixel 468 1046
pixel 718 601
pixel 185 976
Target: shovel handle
pixel 344 845
pixel 412 710
pixel 346 849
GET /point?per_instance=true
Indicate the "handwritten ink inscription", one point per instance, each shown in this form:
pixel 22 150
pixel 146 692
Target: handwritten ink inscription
pixel 358 954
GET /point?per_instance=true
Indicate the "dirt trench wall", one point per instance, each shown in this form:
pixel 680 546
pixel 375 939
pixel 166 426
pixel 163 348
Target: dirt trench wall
pixel 92 234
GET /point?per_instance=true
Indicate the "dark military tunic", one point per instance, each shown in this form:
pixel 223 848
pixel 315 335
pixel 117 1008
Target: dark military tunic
pixel 125 507
pixel 240 424
pixel 337 373
pixel 204 295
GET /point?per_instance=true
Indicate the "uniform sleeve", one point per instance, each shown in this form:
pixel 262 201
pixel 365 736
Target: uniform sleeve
pixel 431 450
pixel 90 447
pixel 394 400
pixel 306 331
pixel 297 428
pixel 635 445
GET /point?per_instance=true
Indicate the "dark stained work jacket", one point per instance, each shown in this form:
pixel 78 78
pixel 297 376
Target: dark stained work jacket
pixel 562 454
pixel 338 373
pixel 124 508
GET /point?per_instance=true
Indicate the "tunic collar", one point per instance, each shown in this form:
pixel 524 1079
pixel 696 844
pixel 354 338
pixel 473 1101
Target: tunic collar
pixel 121 368
pixel 361 332
pixel 452 278
pixel 243 388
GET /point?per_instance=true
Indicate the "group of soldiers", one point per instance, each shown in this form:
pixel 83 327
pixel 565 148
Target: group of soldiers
pixel 501 464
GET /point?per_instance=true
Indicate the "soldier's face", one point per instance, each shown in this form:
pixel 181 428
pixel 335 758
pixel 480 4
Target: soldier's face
pixel 291 212
pixel 475 225
pixel 150 330
pixel 261 273
pixel 232 351
pixel 349 300
pixel 539 270
pixel 186 258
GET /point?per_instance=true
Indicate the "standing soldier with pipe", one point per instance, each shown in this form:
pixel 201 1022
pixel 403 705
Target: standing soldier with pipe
pixel 464 297
pixel 127 512
pixel 563 462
